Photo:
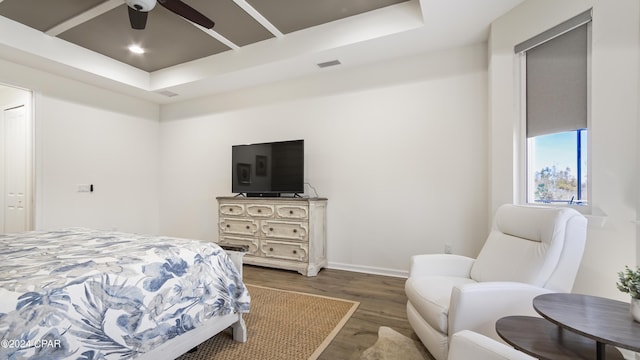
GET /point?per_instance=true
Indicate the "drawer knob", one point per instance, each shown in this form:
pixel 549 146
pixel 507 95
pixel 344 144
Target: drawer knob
pixel 295 231
pixel 259 211
pixel 290 212
pixel 228 226
pixel 295 252
pixel 270 249
pixel 231 210
pixel 247 227
pixel 270 229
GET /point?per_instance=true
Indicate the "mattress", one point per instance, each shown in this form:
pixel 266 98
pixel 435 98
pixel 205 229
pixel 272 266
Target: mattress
pixel 87 294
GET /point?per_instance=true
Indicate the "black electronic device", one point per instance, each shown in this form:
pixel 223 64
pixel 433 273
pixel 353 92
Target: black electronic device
pixel 268 169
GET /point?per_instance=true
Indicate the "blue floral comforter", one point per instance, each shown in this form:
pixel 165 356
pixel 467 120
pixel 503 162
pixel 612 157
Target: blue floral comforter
pixel 85 294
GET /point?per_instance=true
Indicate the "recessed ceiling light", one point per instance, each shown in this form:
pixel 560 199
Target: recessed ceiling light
pixel 136 49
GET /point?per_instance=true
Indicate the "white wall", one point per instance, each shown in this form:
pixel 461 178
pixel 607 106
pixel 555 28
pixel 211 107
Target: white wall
pixel 11 95
pixel 611 242
pixel 87 135
pixel 399 149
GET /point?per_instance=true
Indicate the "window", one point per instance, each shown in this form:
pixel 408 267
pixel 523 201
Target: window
pixel 557 168
pixel 555 88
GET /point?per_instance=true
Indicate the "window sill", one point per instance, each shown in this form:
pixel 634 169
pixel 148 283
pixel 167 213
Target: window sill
pixel 596 217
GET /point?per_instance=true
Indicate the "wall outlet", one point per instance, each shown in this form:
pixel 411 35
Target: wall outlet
pixel 84 188
pixel 447 248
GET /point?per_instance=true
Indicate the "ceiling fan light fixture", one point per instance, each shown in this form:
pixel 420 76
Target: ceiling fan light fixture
pixel 141 5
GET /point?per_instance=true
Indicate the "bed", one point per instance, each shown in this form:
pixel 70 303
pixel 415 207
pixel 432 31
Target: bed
pixel 87 294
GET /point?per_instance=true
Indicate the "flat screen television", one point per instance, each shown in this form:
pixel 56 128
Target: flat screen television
pixel 268 169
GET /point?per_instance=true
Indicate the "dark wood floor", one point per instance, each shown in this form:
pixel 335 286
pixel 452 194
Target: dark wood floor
pixel 382 303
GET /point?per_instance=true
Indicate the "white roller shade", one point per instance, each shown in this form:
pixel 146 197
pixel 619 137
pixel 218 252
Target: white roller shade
pixel 556 78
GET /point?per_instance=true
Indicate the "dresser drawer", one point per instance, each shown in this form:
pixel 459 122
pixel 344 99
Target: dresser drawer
pixel 232 209
pixel 285 250
pixel 239 241
pixel 297 212
pixel 260 211
pixel 285 230
pixel 234 226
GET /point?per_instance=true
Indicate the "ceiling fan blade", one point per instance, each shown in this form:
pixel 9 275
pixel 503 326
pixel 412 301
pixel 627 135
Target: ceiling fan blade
pixel 138 19
pixel 187 12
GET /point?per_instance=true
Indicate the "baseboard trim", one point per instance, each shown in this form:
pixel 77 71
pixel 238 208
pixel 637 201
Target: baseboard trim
pixel 369 270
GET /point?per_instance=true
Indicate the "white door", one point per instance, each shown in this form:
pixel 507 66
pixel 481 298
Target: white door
pixel 16 152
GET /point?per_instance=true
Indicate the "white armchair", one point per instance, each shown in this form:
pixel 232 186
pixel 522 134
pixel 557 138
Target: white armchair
pixel 531 250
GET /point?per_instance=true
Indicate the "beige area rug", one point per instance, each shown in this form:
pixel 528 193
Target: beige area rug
pixel 391 345
pixel 281 325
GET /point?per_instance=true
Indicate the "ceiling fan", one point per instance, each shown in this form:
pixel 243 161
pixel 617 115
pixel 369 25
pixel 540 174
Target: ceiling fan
pixel 139 9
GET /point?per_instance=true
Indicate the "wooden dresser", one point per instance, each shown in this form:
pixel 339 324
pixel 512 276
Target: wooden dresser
pixel 284 233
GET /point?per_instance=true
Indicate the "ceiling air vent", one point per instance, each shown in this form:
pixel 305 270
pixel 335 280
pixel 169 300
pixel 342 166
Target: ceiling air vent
pixel 326 64
pixel 166 93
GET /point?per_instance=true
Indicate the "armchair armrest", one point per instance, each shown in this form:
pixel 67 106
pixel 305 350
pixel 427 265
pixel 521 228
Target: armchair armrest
pixel 478 306
pixel 441 264
pixel 467 344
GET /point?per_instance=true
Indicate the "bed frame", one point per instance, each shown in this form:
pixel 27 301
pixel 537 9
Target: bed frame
pixel 187 341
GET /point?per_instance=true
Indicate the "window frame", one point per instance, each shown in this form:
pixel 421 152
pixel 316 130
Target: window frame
pixel 521 178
